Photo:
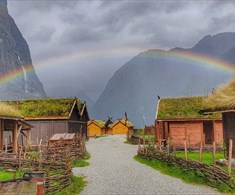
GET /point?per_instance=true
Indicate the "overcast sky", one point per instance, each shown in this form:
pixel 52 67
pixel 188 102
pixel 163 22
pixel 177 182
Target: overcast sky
pixel 85 42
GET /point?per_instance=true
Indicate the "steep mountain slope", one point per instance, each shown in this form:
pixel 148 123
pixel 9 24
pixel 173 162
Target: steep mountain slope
pixel 135 86
pixel 18 78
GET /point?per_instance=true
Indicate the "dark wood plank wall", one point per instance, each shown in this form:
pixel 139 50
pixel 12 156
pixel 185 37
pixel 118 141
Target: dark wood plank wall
pixel 229 128
pixel 45 129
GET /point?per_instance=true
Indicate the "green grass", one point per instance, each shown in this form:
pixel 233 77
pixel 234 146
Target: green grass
pixel 81 162
pixel 186 176
pixel 206 156
pixel 184 107
pixel 5 175
pixel 77 185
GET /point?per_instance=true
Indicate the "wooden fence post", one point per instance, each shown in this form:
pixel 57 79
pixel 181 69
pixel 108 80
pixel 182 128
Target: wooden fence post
pixel 139 143
pixel 185 150
pixel 230 156
pixel 168 146
pixel 160 144
pixel 214 153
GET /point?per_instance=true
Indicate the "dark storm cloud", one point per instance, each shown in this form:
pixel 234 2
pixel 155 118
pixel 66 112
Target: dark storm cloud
pixel 55 28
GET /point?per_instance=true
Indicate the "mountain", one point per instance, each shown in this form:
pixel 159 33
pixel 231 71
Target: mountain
pixel 18 79
pixel 178 72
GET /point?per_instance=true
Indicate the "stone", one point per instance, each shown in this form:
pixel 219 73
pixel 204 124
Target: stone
pixel 18 79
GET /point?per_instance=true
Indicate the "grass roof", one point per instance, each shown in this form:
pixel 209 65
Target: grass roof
pixel 44 107
pixel 123 121
pixel 222 99
pixel 185 107
pixel 99 123
pixel 9 111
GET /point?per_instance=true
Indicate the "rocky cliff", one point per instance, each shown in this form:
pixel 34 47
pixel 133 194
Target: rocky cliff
pixel 18 79
pixel 135 86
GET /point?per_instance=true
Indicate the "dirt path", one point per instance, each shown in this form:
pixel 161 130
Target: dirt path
pixel 112 170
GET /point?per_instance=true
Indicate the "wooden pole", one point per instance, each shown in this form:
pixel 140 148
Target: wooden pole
pixel 139 143
pixel 160 144
pixel 173 145
pixel 204 139
pixel 230 156
pixel 14 137
pixel 185 150
pixel 200 151
pixel 214 153
pixel 168 146
pixel 1 134
pixel 5 145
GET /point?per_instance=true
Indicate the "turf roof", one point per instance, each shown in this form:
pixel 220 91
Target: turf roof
pixel 185 107
pixel 44 107
pixel 9 111
pixel 123 121
pixel 222 99
pixel 99 123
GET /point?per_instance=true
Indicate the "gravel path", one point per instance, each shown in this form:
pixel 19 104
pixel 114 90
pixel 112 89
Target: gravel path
pixel 113 170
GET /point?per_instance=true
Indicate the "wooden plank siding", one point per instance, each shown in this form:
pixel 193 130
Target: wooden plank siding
pixel 191 131
pixel 229 128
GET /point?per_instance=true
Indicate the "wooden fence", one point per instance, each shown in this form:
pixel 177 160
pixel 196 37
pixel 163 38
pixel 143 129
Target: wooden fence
pixel 54 160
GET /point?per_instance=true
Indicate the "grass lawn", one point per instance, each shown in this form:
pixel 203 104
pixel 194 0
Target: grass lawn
pixel 5 175
pixel 81 162
pixel 77 185
pixel 186 176
pixel 206 156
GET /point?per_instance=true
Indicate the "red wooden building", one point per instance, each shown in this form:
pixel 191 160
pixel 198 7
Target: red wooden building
pixel 178 119
pixel 222 101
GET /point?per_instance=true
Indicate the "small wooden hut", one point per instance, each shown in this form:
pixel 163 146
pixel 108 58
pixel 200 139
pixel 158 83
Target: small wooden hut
pixel 149 130
pixel 179 120
pixel 223 101
pixel 96 127
pixel 122 126
pixel 50 116
pixel 12 125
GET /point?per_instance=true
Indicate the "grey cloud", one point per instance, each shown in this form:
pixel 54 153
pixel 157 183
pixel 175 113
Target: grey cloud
pixel 43 34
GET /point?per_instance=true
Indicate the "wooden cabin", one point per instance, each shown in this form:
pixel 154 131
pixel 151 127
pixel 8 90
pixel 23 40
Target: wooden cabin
pixel 51 116
pixel 149 130
pixel 14 131
pixel 122 126
pixel 222 101
pixel 178 119
pixel 96 127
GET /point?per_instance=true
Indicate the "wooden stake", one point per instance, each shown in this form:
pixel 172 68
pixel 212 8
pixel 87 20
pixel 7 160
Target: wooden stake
pixel 160 144
pixel 214 153
pixel 168 146
pixel 200 152
pixel 144 139
pixel 185 150
pixel 5 145
pixel 139 143
pixel 230 156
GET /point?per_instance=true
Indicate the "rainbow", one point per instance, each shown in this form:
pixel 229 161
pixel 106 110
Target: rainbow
pixel 186 56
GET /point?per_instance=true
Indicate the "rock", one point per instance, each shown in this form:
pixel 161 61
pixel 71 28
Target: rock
pixel 18 79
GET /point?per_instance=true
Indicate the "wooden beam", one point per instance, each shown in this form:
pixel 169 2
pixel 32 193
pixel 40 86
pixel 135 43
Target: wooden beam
pixel 1 133
pixel 18 133
pixel 14 137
